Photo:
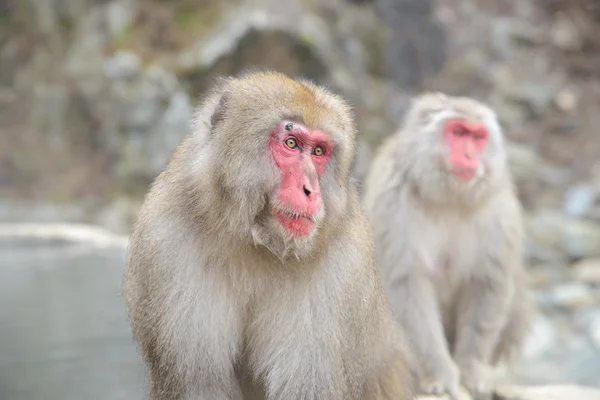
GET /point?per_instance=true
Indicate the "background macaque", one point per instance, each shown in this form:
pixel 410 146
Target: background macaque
pixel 448 233
pixel 251 268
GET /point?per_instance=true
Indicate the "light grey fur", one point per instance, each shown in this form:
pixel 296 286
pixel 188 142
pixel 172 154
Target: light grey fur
pixel 460 319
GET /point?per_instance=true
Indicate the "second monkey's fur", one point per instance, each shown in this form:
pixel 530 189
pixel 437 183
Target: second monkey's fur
pixel 450 251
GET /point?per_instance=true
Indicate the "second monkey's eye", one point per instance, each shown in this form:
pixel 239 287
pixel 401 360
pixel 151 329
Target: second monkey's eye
pixel 318 151
pixel 291 143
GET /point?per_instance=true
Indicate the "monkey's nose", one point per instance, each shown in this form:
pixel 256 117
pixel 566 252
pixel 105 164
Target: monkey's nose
pixel 306 191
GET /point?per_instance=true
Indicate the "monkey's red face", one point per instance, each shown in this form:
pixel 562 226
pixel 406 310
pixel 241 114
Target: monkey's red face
pixel 466 141
pixel 302 156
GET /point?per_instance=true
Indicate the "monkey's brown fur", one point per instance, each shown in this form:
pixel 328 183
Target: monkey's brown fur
pixel 450 251
pixel 223 308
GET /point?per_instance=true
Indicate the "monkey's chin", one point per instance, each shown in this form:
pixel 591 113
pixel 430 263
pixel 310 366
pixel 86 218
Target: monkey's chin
pixel 297 226
pixel 271 234
pixel 465 175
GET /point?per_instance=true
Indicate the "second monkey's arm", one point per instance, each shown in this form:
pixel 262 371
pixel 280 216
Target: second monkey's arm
pixel 484 299
pixel 414 303
pixel 482 310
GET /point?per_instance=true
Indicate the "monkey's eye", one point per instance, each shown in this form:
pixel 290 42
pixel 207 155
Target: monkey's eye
pixel 459 132
pixel 478 137
pixel 291 143
pixel 318 151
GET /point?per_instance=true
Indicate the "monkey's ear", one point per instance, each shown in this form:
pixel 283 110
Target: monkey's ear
pixel 219 112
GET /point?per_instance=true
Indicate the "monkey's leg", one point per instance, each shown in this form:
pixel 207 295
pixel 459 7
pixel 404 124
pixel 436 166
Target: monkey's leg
pixel 482 311
pixel 186 370
pixel 415 304
pixel 190 342
pixel 514 332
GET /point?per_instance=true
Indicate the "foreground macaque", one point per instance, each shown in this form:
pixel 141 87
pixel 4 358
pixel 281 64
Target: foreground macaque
pixel 447 225
pixel 251 268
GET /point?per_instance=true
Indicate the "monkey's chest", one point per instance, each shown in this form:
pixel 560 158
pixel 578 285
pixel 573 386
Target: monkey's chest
pixel 442 265
pixel 445 276
pixel 451 252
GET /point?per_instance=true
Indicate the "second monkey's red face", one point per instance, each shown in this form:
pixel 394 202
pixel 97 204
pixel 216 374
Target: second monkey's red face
pixel 466 142
pixel 302 156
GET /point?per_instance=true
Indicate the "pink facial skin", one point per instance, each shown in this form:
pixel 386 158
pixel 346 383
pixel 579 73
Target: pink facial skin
pixel 466 142
pixel 302 156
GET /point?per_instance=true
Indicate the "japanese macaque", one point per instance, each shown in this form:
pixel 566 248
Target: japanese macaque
pixel 448 233
pixel 251 269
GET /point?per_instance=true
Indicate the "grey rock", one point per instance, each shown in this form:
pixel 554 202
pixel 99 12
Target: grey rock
pixel 541 338
pixel 154 122
pixel 588 321
pixel 536 96
pixel 537 251
pixel 122 65
pixel 501 41
pixel 165 80
pixel 582 239
pixel 171 130
pixel 541 392
pixel 572 295
pixel 522 160
pixel 545 228
pixel 548 392
pixel 525 34
pixel 142 106
pixel 565 34
pixel 49 112
pixel 417 47
pixel 119 16
pixel 576 238
pixel 567 100
pixel 86 54
pixel 553 175
pixel 579 200
pixel 545 275
pixel 587 270
pixel 463 395
pixel 594 331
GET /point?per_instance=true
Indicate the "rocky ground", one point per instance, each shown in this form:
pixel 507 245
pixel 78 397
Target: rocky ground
pixel 96 94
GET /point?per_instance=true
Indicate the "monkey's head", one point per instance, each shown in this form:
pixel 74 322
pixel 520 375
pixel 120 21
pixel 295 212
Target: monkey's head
pixel 282 152
pixel 458 140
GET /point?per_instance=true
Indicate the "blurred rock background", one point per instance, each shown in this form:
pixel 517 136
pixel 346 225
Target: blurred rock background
pixel 96 94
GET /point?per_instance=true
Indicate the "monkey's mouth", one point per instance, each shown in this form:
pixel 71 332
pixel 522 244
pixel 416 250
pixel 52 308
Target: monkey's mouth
pixel 465 174
pixel 297 224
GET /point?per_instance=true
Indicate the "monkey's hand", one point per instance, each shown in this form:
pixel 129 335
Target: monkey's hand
pixel 442 379
pixel 473 376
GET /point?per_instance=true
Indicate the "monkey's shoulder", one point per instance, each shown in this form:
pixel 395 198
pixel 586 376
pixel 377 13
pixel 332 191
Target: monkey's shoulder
pixel 502 211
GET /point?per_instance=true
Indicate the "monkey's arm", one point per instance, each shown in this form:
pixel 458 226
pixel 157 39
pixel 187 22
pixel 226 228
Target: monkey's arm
pixel 411 294
pixel 379 341
pixel 483 306
pixel 181 312
pixel 482 310
pixel 485 298
pixel 415 305
pixel 392 379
